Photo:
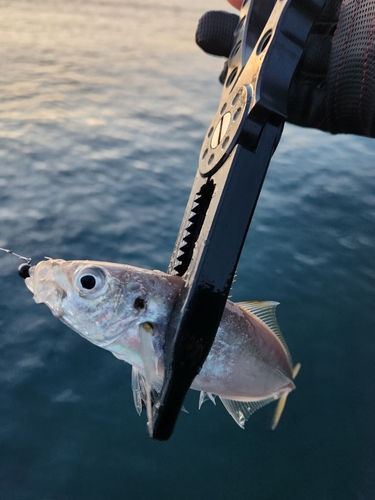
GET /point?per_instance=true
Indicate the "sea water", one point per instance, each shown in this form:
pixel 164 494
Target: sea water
pixel 104 104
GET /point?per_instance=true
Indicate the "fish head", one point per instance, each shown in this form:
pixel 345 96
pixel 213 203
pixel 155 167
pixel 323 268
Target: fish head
pixel 101 301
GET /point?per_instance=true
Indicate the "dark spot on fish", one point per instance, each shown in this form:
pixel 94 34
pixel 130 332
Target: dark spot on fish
pixel 88 281
pixel 139 303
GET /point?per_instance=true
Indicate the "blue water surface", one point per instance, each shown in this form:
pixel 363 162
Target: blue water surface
pixel 104 105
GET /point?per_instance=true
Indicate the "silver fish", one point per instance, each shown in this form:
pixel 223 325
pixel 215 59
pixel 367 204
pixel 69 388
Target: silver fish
pixel 126 309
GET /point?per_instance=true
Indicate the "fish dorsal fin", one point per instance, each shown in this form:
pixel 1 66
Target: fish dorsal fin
pixel 240 411
pixel 204 396
pixel 265 311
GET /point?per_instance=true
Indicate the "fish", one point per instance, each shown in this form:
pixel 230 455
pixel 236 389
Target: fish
pixel 125 310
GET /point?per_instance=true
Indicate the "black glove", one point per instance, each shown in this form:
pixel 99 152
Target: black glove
pixel 333 88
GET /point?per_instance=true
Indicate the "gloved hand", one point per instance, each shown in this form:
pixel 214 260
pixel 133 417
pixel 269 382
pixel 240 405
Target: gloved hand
pixel 333 88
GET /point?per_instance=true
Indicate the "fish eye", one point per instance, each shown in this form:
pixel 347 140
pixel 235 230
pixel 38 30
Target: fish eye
pixel 90 280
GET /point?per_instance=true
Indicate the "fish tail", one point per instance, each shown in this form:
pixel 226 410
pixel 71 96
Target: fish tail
pixel 281 404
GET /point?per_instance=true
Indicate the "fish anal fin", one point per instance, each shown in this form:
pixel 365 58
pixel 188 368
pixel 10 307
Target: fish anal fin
pixel 240 411
pixel 281 404
pixel 204 396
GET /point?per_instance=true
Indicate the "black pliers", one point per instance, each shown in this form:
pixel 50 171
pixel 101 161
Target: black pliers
pixel 237 149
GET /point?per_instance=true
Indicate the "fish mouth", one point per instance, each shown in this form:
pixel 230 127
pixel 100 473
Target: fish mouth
pixel 44 285
pixel 29 281
pixel 30 284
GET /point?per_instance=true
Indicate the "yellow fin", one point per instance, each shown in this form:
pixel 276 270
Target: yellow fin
pixel 296 370
pixel 281 404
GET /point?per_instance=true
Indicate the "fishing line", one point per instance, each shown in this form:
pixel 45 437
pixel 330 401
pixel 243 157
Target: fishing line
pixel 23 269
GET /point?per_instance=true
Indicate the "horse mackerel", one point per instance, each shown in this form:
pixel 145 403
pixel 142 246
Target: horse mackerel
pixel 126 310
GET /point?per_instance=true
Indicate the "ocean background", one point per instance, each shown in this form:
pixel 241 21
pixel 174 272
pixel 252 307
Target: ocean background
pixel 103 108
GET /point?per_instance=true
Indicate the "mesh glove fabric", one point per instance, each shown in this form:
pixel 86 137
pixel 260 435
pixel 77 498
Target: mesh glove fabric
pixel 333 88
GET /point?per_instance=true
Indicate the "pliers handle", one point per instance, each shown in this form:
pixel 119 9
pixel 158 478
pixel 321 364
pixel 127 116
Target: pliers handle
pixel 235 155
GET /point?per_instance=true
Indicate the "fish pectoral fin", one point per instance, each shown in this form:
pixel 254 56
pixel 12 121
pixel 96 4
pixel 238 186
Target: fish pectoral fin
pixel 149 360
pixel 281 404
pixel 204 396
pixel 240 411
pixel 148 355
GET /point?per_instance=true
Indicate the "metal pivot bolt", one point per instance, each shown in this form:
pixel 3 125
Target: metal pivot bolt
pixel 224 130
pixel 220 130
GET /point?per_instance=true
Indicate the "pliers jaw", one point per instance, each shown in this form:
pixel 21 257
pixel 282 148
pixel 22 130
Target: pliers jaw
pixel 233 163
